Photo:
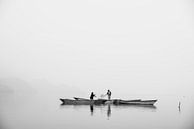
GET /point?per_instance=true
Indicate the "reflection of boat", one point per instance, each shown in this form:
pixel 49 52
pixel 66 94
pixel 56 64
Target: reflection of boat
pixel 109 108
pixel 82 101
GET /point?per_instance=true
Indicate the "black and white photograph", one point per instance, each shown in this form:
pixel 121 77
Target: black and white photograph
pixel 96 64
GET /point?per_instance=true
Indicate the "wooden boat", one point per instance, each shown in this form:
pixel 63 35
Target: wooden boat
pixel 120 101
pixel 134 100
pixel 82 101
pixel 139 102
pixel 76 98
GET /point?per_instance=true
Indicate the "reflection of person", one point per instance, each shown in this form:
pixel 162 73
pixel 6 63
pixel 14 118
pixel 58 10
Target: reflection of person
pixel 109 111
pixel 109 94
pixel 92 96
pixel 91 109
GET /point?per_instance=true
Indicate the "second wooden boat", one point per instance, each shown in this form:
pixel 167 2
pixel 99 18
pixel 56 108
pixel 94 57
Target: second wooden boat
pixel 140 102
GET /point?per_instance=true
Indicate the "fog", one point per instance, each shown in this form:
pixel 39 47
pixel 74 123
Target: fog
pixel 130 47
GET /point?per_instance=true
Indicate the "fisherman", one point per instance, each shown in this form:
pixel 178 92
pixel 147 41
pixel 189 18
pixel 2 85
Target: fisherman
pixel 92 96
pixel 109 94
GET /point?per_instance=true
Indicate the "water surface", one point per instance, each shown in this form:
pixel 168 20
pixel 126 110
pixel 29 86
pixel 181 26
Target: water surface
pixel 46 112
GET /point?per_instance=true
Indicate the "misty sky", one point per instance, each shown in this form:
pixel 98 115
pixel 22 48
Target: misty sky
pixel 136 46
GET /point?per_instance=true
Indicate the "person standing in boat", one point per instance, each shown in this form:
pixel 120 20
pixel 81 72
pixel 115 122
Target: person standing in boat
pixel 92 96
pixel 109 94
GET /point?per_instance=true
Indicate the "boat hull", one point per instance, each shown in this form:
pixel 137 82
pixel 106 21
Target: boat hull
pixel 141 102
pixel 82 102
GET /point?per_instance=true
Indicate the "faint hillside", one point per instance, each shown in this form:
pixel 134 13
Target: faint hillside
pixel 15 86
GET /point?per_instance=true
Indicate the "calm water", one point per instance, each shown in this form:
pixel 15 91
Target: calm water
pixel 45 112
